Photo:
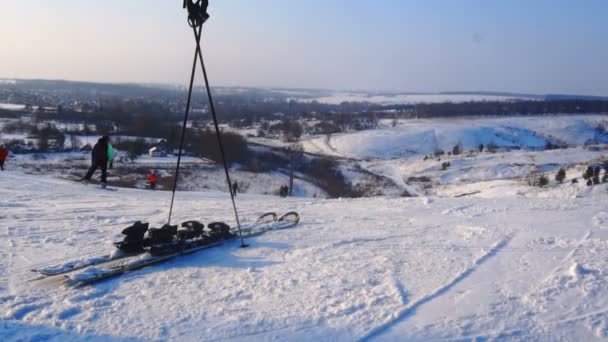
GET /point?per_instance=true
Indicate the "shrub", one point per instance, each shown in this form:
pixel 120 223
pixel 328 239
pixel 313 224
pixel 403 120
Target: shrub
pixel 439 152
pixel 596 175
pixel 492 147
pixel 457 149
pixel 133 148
pixel 561 175
pixel 203 143
pixel 588 173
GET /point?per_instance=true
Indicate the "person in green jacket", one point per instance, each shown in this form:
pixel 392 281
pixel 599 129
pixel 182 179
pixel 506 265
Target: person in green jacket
pixel 110 156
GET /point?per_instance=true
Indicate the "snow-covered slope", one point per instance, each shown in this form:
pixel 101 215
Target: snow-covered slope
pixel 424 136
pixel 390 99
pixel 526 265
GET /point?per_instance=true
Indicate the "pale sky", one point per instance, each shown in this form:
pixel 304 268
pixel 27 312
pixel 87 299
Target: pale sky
pixel 536 46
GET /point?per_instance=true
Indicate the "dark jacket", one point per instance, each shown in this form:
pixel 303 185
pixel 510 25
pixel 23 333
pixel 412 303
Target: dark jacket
pixel 3 154
pixel 99 154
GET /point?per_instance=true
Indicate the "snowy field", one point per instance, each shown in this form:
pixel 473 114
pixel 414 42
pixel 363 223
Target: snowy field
pixel 521 265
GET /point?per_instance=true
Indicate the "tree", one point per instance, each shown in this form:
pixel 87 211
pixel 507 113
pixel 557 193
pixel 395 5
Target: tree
pixel 588 172
pixel 492 147
pixel 292 130
pixel 480 148
pixel 561 175
pixel 457 149
pixel 543 181
pixel 596 175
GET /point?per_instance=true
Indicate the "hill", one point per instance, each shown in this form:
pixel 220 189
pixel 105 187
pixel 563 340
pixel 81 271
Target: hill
pixel 519 263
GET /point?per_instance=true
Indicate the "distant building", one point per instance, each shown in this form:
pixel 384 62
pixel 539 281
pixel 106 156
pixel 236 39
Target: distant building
pixel 157 151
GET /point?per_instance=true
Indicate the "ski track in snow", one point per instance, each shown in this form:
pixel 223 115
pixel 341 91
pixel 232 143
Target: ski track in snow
pixel 429 268
pixel 411 309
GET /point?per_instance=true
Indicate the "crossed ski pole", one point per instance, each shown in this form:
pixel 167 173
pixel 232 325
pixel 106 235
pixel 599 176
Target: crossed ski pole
pixel 196 21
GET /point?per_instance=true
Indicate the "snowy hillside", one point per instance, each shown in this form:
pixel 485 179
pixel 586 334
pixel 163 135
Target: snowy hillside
pixel 424 136
pixel 332 97
pixel 529 264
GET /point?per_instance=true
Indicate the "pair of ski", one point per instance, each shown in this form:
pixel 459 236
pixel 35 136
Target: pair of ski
pixel 87 271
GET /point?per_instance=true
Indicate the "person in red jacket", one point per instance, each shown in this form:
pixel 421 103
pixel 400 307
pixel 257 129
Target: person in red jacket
pixel 152 179
pixel 3 156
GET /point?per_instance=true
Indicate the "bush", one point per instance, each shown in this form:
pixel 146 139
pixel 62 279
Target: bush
pixel 439 152
pixel 327 175
pixel 445 165
pixel 492 147
pixel 133 148
pixel 535 178
pixel 457 149
pixel 588 173
pixel 203 143
pixel 561 175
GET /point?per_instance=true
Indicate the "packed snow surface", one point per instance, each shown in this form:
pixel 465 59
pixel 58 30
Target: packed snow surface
pixel 522 265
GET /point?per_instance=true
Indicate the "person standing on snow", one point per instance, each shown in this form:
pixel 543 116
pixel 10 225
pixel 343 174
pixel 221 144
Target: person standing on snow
pixel 3 156
pixel 152 179
pixel 99 159
pixel 235 188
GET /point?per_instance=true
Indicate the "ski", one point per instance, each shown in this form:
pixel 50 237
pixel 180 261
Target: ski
pixel 83 262
pixel 74 265
pixel 169 251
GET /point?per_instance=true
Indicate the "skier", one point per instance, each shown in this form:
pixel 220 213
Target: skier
pixel 3 156
pixel 235 188
pixel 152 179
pixel 99 159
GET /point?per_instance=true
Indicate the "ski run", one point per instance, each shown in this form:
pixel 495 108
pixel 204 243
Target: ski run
pixel 509 262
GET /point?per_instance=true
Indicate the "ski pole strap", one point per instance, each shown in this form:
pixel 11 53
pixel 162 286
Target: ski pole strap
pixel 197 12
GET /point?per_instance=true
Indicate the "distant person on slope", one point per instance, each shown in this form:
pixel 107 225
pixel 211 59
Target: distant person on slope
pixel 152 179
pixel 235 188
pixel 3 156
pixel 99 159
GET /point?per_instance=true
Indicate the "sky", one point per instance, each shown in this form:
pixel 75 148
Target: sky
pixel 531 46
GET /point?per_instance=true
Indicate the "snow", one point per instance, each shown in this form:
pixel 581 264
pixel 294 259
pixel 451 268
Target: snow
pixel 11 106
pixel 524 264
pixel 197 174
pixel 424 136
pixel 339 97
